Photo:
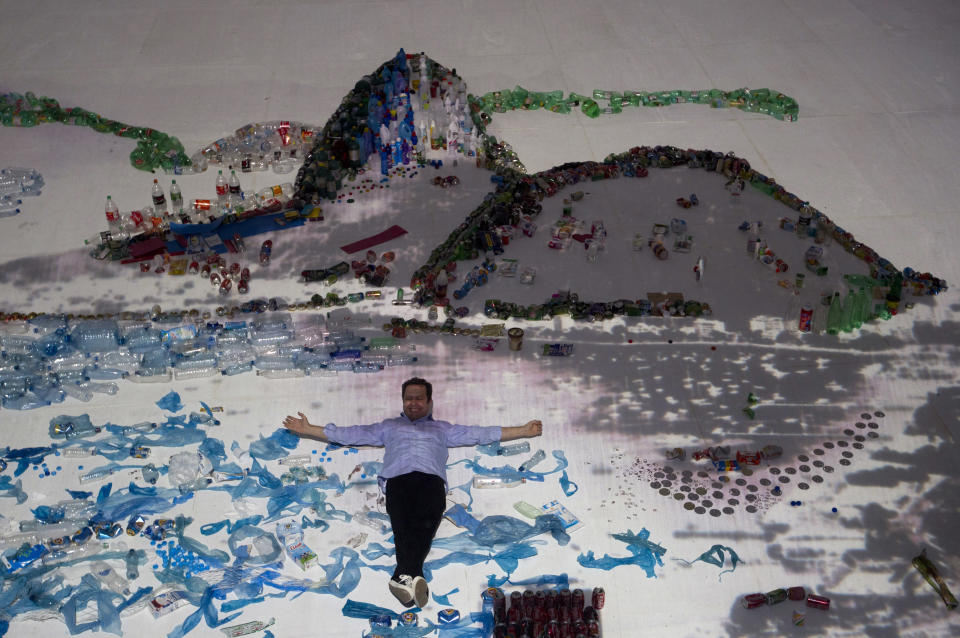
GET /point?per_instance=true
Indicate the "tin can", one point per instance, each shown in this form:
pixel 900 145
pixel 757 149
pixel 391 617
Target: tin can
pixel 776 596
pixel 796 593
pixel 598 598
pixel 798 282
pixel 806 319
pixel 578 600
pixel 818 602
pixel 408 619
pixel 593 629
pixel 566 597
pixel 752 601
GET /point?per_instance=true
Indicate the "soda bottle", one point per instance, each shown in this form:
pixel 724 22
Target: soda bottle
pixel 176 197
pixel 234 184
pixel 159 199
pixel 835 314
pixel 112 213
pixel 222 190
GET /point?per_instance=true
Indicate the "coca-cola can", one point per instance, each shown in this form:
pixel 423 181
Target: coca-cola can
pixel 599 598
pixel 818 602
pixel 578 599
pixel 752 601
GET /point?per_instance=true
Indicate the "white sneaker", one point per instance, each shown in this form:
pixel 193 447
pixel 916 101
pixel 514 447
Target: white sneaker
pixel 421 592
pixel 402 589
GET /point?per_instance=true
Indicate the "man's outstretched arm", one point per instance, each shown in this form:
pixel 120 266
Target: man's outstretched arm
pixel 528 430
pixel 303 428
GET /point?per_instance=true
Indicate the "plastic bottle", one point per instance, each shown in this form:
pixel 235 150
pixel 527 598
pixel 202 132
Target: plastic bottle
pixel 515 448
pixel 72 552
pixel 112 213
pixel 489 482
pixel 110 578
pixel 222 189
pixel 96 475
pixel 849 311
pixel 159 199
pixel 528 465
pixel 78 452
pixel 133 565
pixel 835 314
pixel 528 510
pixel 234 183
pixel 176 197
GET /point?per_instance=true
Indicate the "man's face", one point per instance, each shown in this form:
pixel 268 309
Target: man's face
pixel 415 403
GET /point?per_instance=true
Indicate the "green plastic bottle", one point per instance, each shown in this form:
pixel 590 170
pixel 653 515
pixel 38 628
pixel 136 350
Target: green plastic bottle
pixel 834 315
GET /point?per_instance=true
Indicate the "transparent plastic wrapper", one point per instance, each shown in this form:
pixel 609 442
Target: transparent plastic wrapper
pixel 77 391
pixel 96 335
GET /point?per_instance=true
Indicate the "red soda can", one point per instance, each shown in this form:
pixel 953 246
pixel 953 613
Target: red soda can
pixel 537 628
pixel 589 613
pixel 553 597
pixel 500 630
pixel 245 274
pixel 566 629
pixel 593 629
pixel 578 600
pixel 565 615
pixel 201 204
pixel 806 319
pixel 553 629
pixel 235 269
pixel 205 271
pixel 599 598
pixel 752 601
pixel 552 613
pixel 516 599
pixel 145 266
pixel 818 602
pixel 513 613
pixel 796 593
pixel 565 598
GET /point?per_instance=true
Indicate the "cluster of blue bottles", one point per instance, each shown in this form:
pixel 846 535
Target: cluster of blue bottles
pixel 49 358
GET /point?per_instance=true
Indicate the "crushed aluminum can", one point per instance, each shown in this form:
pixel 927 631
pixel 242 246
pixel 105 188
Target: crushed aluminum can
pixel 818 602
pixel 135 525
pixel 447 617
pixel 796 593
pixel 139 452
pixel 752 601
pixel 676 454
pixel 776 596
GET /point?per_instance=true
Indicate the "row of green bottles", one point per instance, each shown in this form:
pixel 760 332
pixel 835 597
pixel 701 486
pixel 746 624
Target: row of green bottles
pixel 848 315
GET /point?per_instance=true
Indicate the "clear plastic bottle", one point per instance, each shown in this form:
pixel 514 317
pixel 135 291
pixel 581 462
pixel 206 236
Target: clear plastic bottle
pixel 490 482
pixel 515 448
pixel 78 452
pixel 96 475
pixel 159 199
pixel 110 578
pixel 223 191
pixel 176 197
pixel 112 213
pixel 234 183
pixel 528 465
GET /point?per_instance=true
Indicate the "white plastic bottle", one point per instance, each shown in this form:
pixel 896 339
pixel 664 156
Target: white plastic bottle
pixel 112 213
pixel 222 188
pixel 176 197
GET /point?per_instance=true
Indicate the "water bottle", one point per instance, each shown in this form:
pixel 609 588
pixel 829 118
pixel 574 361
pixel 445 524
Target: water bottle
pixel 133 562
pixel 159 199
pixel 176 197
pixel 538 456
pixel 515 448
pixel 222 188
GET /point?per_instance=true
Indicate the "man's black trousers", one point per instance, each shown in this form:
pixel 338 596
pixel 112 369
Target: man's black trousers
pixel 415 503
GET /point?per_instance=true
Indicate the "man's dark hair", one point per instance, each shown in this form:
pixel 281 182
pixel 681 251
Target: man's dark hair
pixel 417 381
